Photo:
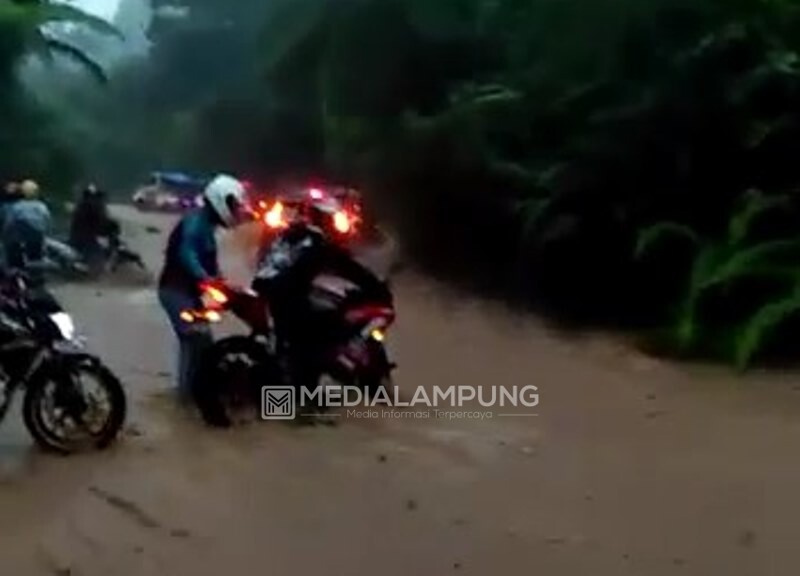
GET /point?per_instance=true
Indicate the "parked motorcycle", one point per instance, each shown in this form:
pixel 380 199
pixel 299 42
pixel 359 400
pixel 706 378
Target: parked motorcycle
pixel 114 253
pixel 349 327
pixel 41 354
pixel 63 260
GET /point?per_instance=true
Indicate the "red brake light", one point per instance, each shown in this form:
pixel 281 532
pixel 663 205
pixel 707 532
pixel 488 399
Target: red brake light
pixel 369 312
pixel 316 194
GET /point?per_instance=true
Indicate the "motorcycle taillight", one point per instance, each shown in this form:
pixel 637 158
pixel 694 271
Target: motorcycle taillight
pixel 369 313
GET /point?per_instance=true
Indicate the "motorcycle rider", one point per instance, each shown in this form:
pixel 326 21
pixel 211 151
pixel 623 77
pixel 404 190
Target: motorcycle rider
pixel 91 222
pixel 25 227
pixel 190 265
pixel 10 195
pixel 297 256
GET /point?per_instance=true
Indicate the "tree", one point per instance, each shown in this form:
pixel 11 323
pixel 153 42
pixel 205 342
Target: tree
pixel 27 27
pixel 30 27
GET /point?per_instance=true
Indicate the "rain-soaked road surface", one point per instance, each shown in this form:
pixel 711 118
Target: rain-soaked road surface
pixel 628 467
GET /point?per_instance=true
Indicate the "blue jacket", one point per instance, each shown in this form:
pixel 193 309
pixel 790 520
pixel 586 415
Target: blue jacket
pixel 26 218
pixel 191 255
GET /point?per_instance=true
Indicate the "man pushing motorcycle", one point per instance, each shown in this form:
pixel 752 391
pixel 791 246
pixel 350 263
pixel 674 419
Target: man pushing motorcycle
pixel 191 266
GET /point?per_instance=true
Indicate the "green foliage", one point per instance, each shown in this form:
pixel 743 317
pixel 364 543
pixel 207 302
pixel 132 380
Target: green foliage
pixel 719 264
pixel 653 234
pixel 31 144
pixel 528 145
pixel 28 22
pixel 753 335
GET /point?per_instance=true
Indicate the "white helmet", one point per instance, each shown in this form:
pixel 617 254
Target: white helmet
pixel 227 197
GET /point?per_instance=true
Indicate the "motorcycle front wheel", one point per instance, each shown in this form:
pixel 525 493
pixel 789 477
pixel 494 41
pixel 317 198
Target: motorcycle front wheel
pixel 65 415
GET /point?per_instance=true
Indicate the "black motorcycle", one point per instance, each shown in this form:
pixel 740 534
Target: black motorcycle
pixel 115 254
pixel 40 353
pixel 62 261
pixel 111 254
pixel 349 328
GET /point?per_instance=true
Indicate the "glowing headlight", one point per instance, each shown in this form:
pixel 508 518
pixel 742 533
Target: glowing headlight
pixel 65 324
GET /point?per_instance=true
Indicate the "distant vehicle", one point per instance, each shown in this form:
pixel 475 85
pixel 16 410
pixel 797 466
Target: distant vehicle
pixel 170 192
pixel 355 228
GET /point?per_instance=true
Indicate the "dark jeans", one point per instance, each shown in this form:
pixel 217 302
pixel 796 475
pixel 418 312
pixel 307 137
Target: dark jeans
pixel 193 339
pixel 20 252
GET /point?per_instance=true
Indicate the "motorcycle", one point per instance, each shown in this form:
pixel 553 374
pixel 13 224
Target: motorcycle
pixel 61 259
pixel 114 254
pixel 41 353
pixel 353 228
pixel 350 330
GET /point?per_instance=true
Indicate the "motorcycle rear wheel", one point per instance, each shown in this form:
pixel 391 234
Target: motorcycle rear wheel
pixel 236 369
pixel 378 376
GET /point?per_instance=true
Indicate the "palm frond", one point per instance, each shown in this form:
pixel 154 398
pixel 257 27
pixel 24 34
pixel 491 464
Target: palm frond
pixel 512 171
pixel 486 95
pixel 758 260
pixel 533 212
pixel 755 332
pixel 755 205
pixel 548 178
pixel 704 263
pixel 76 55
pixel 50 13
pixel 651 235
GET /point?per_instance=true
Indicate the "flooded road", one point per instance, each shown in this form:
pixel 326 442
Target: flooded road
pixel 627 466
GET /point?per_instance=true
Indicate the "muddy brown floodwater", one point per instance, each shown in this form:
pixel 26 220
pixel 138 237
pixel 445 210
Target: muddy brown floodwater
pixel 627 466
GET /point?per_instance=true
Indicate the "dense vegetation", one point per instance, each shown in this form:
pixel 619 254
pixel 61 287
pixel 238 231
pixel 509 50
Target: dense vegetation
pixel 628 162
pixel 31 143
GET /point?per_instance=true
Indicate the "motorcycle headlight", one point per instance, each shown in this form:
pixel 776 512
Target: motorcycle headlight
pixel 65 324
